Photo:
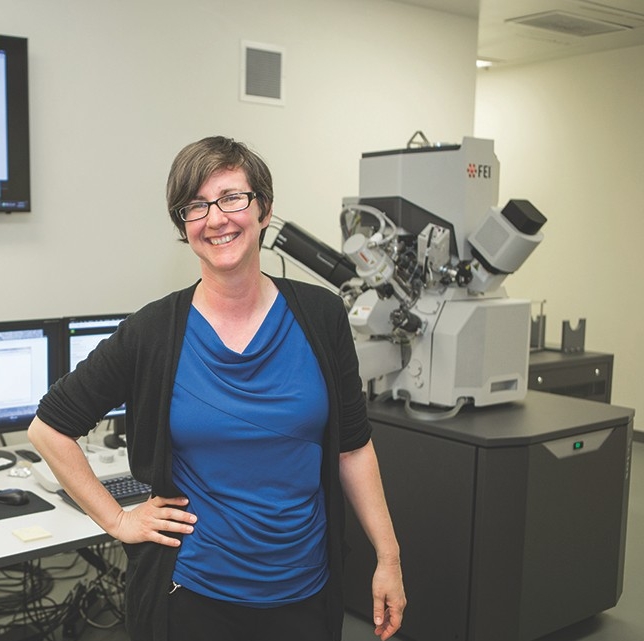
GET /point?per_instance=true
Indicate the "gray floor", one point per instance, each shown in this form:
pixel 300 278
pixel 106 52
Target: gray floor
pixel 625 622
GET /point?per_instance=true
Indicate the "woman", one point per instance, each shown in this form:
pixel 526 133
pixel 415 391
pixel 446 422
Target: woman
pixel 245 415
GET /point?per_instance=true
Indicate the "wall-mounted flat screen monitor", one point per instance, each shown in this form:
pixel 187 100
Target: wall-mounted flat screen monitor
pixel 30 361
pixel 15 184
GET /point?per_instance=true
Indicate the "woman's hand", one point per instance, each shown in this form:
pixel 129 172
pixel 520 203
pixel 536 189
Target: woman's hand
pixel 361 482
pixel 389 599
pixel 151 520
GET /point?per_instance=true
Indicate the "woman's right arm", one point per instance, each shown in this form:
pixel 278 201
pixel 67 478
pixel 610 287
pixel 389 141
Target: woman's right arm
pixel 145 522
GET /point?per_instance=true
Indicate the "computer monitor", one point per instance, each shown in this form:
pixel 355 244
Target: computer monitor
pixel 30 361
pixel 81 335
pixel 15 186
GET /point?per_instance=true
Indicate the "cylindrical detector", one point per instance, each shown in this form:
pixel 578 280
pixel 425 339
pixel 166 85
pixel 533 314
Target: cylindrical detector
pixel 372 263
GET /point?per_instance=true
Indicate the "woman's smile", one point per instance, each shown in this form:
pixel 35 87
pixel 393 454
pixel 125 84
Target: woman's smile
pixel 223 240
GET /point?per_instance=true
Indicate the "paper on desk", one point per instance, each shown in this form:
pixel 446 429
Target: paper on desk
pixel 32 533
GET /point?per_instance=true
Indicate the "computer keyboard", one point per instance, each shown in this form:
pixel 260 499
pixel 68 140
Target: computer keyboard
pixel 125 489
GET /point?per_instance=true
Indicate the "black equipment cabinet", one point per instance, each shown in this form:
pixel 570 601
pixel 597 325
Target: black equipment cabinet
pixel 581 374
pixel 511 518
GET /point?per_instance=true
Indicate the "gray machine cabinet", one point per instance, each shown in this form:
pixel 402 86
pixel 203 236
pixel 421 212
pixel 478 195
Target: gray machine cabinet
pixel 511 519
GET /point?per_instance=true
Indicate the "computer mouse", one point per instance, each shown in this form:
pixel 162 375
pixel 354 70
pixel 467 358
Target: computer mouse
pixel 13 497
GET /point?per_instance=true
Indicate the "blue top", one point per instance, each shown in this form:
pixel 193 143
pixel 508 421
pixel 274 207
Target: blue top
pixel 247 434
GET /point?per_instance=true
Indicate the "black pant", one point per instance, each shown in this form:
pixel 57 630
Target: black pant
pixel 199 618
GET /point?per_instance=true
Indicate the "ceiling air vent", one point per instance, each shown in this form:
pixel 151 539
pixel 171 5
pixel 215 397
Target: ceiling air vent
pixel 568 23
pixel 262 73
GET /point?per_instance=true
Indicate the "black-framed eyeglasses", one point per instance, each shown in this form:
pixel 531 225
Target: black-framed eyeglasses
pixel 228 204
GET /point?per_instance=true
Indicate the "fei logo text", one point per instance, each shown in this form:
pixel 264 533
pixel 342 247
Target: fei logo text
pixel 479 171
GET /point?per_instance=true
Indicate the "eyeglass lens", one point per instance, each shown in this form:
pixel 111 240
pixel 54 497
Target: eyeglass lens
pixel 228 203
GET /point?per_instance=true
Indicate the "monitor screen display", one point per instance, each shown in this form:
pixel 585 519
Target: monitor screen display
pixel 30 361
pixel 15 186
pixel 82 335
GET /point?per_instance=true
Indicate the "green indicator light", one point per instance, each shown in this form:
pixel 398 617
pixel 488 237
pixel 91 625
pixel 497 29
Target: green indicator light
pixel 578 445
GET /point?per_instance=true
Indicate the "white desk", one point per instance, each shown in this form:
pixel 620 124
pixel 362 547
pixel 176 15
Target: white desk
pixel 70 529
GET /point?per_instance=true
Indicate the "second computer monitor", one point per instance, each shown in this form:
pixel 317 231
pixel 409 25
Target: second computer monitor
pixel 30 361
pixel 83 334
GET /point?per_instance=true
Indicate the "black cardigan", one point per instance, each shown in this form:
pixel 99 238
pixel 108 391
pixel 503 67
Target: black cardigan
pixel 137 365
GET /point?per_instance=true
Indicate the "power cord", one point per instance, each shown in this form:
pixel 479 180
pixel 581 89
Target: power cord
pixel 28 613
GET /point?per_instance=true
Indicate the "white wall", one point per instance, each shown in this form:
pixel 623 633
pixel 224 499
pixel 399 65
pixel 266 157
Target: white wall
pixel 117 88
pixel 570 138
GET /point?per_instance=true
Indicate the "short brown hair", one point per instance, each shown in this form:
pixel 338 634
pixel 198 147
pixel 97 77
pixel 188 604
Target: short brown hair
pixel 196 162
